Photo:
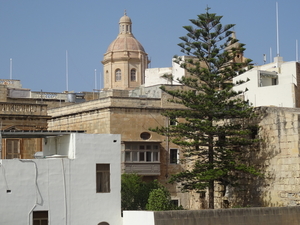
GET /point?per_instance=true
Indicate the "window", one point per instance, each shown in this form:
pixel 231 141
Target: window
pixel 102 178
pixel 155 156
pixel 173 156
pixel 127 156
pixel 40 217
pixel 172 121
pixel 134 156
pixel 148 156
pixel 12 148
pixel 118 75
pixel 133 75
pixel 175 202
pixel 267 78
pixel 142 156
pixel 145 135
pixel 137 152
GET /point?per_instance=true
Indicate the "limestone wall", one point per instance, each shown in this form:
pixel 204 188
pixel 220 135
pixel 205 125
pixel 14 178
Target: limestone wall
pixel 3 93
pixel 279 130
pixel 248 216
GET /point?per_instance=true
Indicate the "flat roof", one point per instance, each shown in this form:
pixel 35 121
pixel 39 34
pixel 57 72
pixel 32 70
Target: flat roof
pixel 36 133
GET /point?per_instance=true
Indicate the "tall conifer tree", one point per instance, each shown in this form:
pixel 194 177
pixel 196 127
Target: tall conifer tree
pixel 213 129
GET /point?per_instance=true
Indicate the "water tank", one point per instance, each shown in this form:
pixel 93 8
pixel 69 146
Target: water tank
pixel 71 97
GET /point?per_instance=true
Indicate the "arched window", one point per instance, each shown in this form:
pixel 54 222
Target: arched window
pixel 118 75
pixel 103 223
pixel 133 75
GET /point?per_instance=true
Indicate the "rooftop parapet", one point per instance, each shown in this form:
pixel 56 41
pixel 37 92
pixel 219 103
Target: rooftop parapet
pixel 7 108
pixel 11 83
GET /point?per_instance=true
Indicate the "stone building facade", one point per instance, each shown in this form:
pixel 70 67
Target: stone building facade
pixel 143 152
pixel 24 110
pixel 16 116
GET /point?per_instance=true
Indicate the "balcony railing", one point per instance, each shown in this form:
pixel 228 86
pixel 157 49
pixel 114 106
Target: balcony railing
pixel 150 169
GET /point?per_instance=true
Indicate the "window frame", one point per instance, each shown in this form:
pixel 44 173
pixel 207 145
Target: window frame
pixel 133 75
pixel 103 176
pixel 40 216
pixel 118 75
pixel 15 151
pixel 174 160
pixel 142 153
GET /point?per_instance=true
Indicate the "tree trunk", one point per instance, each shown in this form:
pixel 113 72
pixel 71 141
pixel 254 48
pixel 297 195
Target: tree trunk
pixel 211 194
pixel 211 187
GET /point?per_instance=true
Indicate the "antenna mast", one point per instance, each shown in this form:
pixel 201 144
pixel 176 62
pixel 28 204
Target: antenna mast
pixel 277 29
pixel 297 56
pixel 67 72
pixel 100 81
pixel 95 80
pixel 10 68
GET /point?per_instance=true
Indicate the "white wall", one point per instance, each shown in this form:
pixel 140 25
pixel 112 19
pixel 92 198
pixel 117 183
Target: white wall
pixel 282 95
pixel 66 188
pixel 138 218
pixel 153 76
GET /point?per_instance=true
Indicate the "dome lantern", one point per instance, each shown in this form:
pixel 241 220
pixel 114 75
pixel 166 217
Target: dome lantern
pixel 125 24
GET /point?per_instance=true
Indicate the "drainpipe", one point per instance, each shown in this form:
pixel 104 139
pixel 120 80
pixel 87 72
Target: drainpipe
pixel 37 190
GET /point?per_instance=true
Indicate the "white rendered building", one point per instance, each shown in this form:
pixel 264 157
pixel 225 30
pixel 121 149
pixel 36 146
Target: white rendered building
pixel 155 76
pixel 273 84
pixel 75 181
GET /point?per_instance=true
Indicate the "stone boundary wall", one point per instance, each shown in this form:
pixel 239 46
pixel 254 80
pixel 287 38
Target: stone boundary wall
pixel 244 216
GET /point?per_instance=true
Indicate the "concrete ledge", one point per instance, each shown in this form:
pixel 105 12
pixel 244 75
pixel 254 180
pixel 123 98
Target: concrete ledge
pixel 244 216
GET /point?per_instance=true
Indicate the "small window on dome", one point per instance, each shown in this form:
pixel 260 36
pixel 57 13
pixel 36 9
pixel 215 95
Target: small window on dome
pixel 133 75
pixel 118 75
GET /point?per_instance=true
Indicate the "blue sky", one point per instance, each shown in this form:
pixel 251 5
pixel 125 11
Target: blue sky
pixel 37 33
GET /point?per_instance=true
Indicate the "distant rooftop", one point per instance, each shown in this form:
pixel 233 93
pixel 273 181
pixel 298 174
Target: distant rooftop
pixel 36 133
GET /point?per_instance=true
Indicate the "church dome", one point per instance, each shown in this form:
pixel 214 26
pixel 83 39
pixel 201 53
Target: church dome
pixel 125 40
pixel 125 43
pixel 125 60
